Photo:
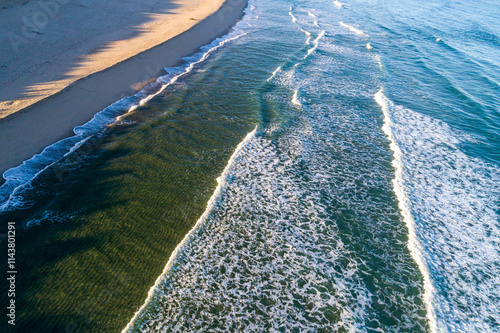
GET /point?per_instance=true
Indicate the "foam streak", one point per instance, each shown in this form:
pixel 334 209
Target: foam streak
pixel 404 204
pixel 353 29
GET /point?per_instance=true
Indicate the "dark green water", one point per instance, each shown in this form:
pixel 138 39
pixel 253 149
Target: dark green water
pixel 363 196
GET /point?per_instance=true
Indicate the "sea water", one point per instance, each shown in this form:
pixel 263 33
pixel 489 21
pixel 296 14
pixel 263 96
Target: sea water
pixel 363 191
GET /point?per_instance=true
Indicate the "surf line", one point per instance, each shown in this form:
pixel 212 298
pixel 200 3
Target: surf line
pixel 221 181
pixel 80 130
pixel 274 73
pixel 315 18
pixel 295 99
pixel 294 21
pixel 353 29
pixel 110 116
pixel 315 44
pixel 404 206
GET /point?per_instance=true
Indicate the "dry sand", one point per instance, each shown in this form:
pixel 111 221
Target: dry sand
pixel 62 61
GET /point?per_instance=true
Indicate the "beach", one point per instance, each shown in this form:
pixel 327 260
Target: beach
pixel 293 166
pixel 63 61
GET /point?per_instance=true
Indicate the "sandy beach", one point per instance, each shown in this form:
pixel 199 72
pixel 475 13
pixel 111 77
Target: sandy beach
pixel 62 61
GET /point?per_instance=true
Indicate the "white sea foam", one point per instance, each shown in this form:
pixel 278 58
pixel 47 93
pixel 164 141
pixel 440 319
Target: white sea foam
pixel 353 29
pixel 295 99
pixel 369 47
pixel 53 216
pixel 338 4
pixel 315 18
pixel 294 19
pixel 315 44
pixel 274 73
pixel 450 201
pixel 307 33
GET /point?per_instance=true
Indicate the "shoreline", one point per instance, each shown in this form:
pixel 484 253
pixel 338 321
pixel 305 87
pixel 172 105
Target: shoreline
pixel 46 46
pixel 28 131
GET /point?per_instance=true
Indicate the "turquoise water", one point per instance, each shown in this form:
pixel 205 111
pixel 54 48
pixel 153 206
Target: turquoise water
pixel 365 194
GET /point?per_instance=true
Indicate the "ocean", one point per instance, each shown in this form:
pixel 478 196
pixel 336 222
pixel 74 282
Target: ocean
pixel 324 167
